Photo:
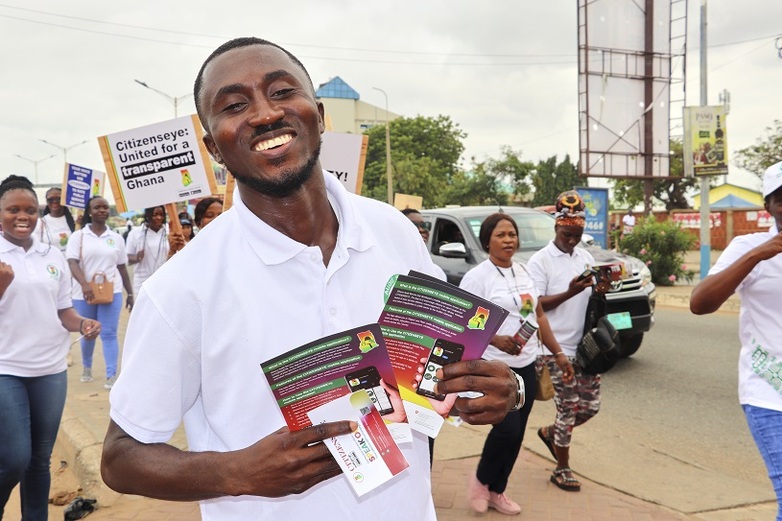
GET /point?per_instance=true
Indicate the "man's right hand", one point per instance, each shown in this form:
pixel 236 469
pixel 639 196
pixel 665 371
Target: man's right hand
pixel 286 462
pixel 280 464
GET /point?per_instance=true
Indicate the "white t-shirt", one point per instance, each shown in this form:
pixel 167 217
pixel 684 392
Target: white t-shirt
pixel 760 327
pixel 97 253
pixel 53 230
pixel 552 270
pixel 513 289
pixel 629 222
pixel 155 247
pixel 33 341
pixel 194 351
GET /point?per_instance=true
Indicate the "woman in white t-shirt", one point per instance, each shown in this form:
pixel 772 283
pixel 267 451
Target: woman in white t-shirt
pixel 35 317
pixel 507 283
pixel 751 266
pixel 148 246
pixel 57 224
pixel 93 249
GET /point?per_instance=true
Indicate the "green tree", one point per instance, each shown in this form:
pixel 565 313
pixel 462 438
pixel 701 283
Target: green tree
pixel 551 178
pixel 492 181
pixel 421 146
pixel 765 152
pixel 672 191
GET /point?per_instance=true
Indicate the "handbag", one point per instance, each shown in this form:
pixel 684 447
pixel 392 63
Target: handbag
pixel 545 388
pixel 102 288
pixel 598 350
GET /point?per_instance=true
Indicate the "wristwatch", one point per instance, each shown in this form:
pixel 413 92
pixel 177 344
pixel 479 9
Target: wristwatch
pixel 520 391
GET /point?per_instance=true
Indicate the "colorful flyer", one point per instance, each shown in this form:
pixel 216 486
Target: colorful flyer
pixel 368 457
pixel 322 371
pixel 427 324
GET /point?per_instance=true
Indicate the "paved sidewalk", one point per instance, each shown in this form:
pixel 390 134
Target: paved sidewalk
pixel 456 454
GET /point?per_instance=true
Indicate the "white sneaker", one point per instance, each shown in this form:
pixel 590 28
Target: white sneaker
pixel 477 495
pixel 86 374
pixel 503 504
pixel 110 382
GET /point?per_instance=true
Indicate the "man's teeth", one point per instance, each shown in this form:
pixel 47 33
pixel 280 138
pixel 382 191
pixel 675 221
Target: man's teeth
pixel 272 143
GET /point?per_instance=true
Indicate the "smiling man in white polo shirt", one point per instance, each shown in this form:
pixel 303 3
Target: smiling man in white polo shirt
pixel 295 259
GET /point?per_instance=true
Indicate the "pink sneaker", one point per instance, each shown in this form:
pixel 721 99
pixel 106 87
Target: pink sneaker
pixel 477 495
pixel 503 504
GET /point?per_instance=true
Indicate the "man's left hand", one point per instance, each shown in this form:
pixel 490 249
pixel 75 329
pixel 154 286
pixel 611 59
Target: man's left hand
pixel 490 378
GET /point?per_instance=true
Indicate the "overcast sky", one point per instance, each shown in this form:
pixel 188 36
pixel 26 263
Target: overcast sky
pixel 505 71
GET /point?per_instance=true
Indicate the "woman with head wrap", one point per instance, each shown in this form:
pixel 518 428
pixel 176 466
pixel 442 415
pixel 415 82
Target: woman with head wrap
pixel 564 295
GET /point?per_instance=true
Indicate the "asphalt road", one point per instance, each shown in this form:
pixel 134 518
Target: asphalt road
pixel 670 429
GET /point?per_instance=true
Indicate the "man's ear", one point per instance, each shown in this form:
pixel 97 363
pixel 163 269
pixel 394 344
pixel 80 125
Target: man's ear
pixel 212 148
pixel 322 118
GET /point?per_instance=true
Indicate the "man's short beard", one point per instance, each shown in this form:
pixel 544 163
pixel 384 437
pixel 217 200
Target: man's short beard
pixel 288 183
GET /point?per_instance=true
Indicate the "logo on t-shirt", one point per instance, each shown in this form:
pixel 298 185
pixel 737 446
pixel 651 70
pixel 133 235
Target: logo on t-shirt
pixel 110 242
pixel 53 271
pixel 527 304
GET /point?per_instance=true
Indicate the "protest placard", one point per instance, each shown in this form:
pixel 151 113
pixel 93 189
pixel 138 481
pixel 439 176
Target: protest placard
pixel 161 163
pixel 80 184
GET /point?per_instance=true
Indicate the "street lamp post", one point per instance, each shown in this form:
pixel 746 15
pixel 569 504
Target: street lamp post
pixel 64 149
pixel 35 163
pixel 388 152
pixel 172 99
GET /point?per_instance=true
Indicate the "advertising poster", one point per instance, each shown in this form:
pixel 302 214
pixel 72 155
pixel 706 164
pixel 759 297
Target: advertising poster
pixel 158 164
pixel 596 202
pixel 344 156
pixel 80 184
pixel 705 141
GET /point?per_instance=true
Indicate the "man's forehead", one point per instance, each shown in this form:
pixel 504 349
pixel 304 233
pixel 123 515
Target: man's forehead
pixel 255 60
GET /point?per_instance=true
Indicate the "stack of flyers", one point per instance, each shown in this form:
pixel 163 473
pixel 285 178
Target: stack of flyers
pixel 428 324
pixel 331 367
pixel 368 456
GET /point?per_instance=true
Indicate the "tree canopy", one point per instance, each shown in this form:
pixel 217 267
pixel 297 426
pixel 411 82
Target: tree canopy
pixel 766 151
pixel 425 156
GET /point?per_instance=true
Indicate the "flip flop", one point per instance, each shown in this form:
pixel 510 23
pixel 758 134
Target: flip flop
pixel 548 441
pixel 569 484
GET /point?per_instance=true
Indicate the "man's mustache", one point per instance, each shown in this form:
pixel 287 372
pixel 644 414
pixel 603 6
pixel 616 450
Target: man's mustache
pixel 277 125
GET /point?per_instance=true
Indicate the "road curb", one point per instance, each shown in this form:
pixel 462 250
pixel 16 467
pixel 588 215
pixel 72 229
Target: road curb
pixel 78 446
pixel 681 299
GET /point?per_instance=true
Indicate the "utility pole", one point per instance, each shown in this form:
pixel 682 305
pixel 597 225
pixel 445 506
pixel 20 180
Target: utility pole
pixel 35 163
pixel 705 211
pixel 172 99
pixel 388 153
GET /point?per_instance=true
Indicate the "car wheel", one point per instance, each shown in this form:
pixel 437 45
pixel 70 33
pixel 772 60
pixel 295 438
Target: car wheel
pixel 630 344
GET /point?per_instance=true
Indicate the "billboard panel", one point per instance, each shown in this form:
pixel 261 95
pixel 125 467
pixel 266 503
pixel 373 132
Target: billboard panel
pixel 624 88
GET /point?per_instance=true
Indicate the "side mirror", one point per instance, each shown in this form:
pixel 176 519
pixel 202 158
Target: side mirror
pixel 453 250
pixel 587 239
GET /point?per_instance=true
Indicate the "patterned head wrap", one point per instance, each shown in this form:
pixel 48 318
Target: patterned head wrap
pixel 570 209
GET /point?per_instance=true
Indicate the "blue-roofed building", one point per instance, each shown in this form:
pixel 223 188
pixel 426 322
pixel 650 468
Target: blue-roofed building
pixel 345 112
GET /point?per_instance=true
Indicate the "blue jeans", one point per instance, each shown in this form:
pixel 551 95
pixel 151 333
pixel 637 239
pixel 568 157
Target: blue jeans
pixel 766 427
pixel 108 316
pixel 30 413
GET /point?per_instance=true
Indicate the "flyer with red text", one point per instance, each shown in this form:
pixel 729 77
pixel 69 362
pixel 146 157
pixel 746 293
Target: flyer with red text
pixel 321 371
pixel 427 324
pixel 368 456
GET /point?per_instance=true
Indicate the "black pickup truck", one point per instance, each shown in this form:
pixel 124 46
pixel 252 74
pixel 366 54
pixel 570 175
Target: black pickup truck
pixel 453 245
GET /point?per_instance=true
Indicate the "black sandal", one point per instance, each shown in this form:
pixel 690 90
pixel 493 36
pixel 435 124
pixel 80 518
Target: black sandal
pixel 548 440
pixel 560 479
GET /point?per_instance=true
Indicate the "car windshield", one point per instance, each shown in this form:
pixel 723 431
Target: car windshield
pixel 535 229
